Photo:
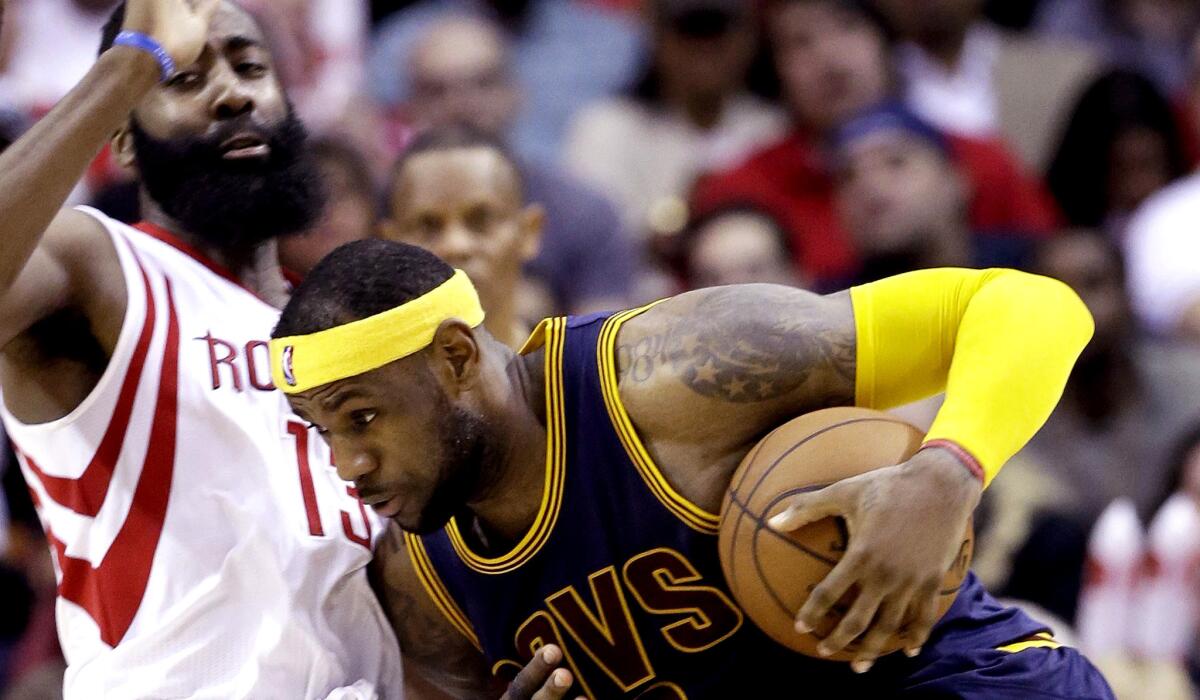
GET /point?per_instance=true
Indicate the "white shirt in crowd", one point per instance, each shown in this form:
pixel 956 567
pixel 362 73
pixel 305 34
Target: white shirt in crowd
pixel 1162 247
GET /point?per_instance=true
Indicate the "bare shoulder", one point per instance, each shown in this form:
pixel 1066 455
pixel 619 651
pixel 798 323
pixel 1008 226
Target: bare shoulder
pixel 720 367
pixel 430 645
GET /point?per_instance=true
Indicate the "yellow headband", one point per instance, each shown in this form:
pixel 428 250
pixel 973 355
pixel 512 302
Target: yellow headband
pixel 302 362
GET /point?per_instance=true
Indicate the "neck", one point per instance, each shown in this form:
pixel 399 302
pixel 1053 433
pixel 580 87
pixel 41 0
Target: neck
pixel 508 502
pixel 503 324
pixel 702 110
pixel 257 268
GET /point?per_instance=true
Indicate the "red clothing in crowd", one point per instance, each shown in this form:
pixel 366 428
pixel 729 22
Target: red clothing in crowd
pixel 791 182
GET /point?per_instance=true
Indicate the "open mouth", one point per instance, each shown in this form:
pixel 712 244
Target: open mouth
pixel 386 506
pixel 245 146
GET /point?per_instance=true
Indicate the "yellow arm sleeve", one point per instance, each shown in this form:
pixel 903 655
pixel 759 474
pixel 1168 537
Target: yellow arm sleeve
pixel 1000 343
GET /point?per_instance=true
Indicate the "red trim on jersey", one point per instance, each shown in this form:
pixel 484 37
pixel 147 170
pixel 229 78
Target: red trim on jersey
pixel 161 234
pixel 85 494
pixel 112 592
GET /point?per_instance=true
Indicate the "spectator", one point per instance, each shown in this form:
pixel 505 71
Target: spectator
pixel 1148 36
pixel 461 74
pixel 318 47
pixel 967 76
pixel 457 192
pixel 350 207
pixel 738 245
pixel 1164 260
pixel 689 113
pixel 46 47
pixel 1121 145
pixel 904 201
pixel 832 57
pixel 565 55
pixel 1129 399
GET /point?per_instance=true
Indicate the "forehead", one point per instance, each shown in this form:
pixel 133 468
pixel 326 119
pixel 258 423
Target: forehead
pixel 442 179
pixel 231 21
pixel 455 49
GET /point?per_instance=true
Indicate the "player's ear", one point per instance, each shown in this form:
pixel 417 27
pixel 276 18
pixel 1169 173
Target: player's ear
pixel 122 147
pixel 454 355
pixel 533 222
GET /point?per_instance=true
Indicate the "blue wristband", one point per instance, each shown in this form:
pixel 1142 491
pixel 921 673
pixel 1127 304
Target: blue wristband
pixel 145 42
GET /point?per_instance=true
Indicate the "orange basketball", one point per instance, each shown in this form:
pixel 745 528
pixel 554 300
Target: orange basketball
pixel 771 574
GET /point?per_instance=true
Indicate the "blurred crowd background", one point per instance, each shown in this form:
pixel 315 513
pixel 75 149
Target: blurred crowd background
pixel 676 144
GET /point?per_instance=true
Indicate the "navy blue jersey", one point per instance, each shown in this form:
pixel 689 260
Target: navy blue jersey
pixel 621 571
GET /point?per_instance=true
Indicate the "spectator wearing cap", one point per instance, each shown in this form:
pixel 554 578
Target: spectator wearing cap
pixel 462 74
pixel 968 76
pixel 688 113
pixel 832 57
pixel 738 245
pixel 564 55
pixel 904 201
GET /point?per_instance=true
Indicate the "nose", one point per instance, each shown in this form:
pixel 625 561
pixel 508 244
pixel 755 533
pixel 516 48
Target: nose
pixel 232 95
pixel 352 461
pixel 456 245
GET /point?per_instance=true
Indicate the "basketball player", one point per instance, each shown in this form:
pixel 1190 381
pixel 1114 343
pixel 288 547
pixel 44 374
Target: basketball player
pixel 205 547
pixel 557 508
pixel 457 193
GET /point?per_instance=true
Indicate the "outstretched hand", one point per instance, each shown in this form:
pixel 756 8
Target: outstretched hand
pixel 906 524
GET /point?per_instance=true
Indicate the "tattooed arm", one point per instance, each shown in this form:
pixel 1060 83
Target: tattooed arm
pixel 439 662
pixel 707 373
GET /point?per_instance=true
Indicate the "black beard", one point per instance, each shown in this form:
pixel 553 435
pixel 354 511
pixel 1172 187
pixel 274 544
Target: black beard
pixel 466 452
pixel 233 205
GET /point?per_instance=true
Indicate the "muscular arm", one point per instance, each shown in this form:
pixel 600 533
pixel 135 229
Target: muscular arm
pixel 48 256
pixel 739 360
pixel 431 647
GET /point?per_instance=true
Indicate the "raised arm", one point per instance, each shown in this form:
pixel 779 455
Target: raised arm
pixel 706 374
pixel 44 252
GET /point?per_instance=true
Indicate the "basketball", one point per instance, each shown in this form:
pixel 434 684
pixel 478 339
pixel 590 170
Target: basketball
pixel 771 574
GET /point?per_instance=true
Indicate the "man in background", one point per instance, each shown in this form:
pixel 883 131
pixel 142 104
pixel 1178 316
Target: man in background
pixel 461 73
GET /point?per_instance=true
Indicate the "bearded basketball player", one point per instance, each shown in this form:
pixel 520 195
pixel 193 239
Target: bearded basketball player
pixel 204 545
pixel 555 509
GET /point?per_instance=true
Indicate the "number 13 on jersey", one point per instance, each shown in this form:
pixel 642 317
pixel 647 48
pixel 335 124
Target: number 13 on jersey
pixel 351 529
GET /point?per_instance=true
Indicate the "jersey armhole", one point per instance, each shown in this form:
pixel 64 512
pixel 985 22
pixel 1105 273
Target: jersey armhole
pixel 437 591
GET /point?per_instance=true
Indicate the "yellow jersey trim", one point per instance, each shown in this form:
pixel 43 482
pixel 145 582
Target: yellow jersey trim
pixel 691 514
pixel 1040 640
pixel 553 332
pixel 437 590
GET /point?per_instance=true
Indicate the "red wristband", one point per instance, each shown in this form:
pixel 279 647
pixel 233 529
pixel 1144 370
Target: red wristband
pixel 966 458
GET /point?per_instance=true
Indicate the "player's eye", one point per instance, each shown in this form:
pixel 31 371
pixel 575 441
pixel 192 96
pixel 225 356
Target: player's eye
pixel 251 69
pixel 362 418
pixel 184 79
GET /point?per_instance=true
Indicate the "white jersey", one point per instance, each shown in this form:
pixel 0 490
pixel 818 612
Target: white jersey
pixel 205 547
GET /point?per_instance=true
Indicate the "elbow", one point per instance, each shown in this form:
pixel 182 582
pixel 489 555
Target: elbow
pixel 1064 312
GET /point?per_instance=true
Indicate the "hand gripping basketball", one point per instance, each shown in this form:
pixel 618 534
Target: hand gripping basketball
pixel 906 525
pixel 179 26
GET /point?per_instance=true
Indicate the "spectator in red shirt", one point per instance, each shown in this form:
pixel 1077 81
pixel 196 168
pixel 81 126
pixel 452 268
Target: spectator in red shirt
pixel 833 61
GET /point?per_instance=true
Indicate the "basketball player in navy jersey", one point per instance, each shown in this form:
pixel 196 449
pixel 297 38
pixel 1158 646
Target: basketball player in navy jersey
pixel 555 508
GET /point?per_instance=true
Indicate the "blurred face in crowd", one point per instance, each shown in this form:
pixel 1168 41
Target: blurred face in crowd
pixel 1139 166
pixel 832 61
pixel 219 148
pixel 739 247
pixel 931 22
pixel 465 205
pixel 1159 19
pixel 897 192
pixel 460 75
pixel 704 52
pixel 1088 263
pixel 349 215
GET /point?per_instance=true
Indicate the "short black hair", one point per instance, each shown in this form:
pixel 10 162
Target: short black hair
pixel 112 27
pixel 453 137
pixel 358 280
